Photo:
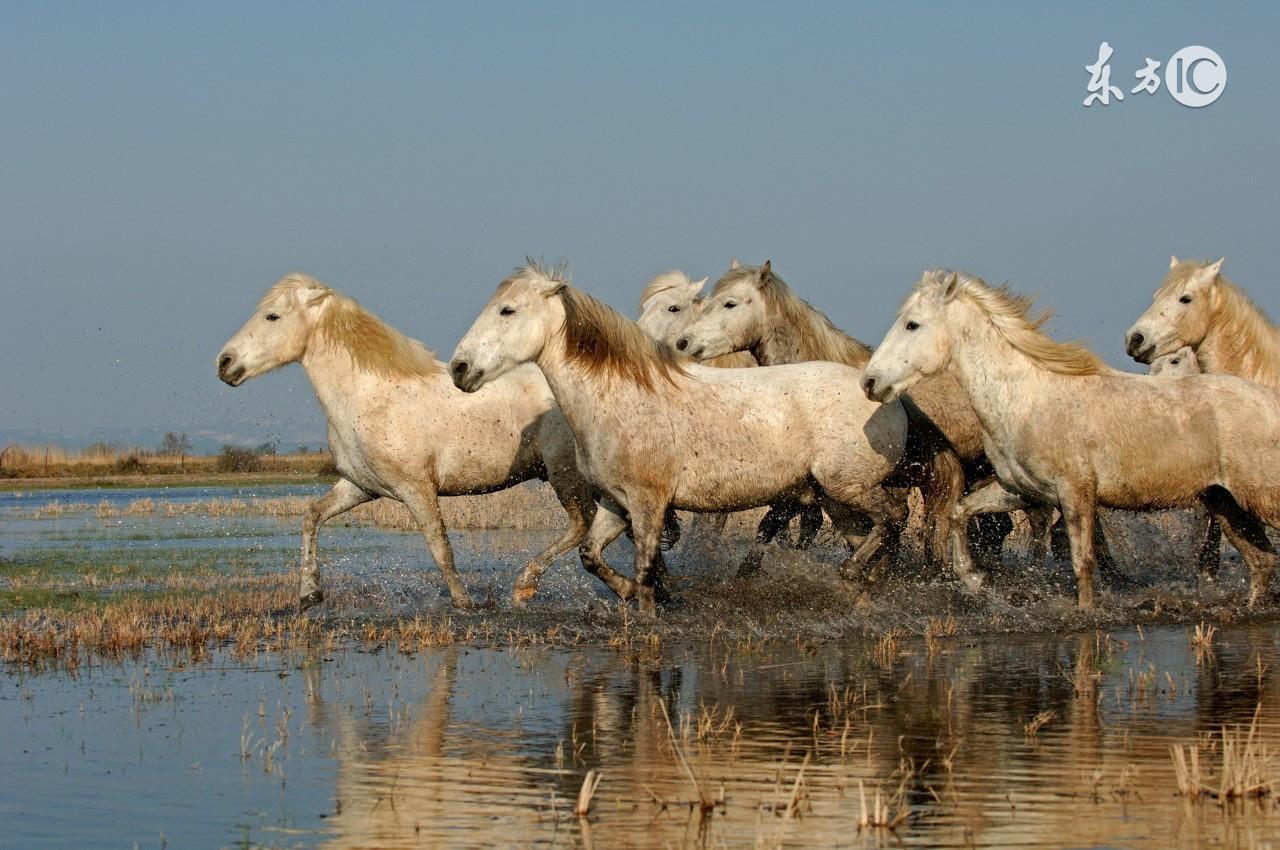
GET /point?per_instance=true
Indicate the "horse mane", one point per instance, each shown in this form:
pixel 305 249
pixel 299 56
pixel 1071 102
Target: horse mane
pixel 600 340
pixel 373 345
pixel 673 279
pixel 1246 342
pixel 813 333
pixel 1008 314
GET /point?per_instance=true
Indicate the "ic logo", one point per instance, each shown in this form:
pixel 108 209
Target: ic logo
pixel 1195 76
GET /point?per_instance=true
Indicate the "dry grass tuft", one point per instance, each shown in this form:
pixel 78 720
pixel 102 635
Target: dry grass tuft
pixel 1246 769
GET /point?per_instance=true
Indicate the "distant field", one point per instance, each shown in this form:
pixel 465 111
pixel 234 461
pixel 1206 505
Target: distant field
pixel 33 467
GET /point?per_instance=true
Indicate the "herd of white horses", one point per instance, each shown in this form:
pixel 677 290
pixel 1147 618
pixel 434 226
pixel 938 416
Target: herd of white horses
pixel 750 397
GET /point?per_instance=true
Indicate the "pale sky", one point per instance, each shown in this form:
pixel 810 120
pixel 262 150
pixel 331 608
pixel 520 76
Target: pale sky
pixel 162 164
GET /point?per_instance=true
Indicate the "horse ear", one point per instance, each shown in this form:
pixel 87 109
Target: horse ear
pixel 698 284
pixel 1173 260
pixel 1205 277
pixel 765 272
pixel 734 264
pixel 316 297
pixel 949 285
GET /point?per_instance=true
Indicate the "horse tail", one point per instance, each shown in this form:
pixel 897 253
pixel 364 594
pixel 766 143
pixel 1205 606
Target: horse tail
pixel 941 492
pixel 932 464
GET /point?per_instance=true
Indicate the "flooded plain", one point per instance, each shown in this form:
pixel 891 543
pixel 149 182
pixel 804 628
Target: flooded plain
pixel 919 718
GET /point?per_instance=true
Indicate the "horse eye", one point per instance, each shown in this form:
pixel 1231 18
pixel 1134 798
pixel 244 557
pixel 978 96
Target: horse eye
pixel 729 305
pixel 913 326
pixel 1175 361
pixel 673 309
pixel 1186 299
pixel 273 317
pixel 507 311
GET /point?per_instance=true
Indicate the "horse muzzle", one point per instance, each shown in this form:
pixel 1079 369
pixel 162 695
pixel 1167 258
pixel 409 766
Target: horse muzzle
pixel 1139 347
pixel 465 376
pixel 877 389
pixel 230 372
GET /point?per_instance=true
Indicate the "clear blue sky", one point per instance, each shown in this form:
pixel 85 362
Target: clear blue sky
pixel 161 164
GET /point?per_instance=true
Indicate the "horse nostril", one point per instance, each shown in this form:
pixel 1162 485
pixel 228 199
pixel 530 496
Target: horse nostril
pixel 1136 339
pixel 224 363
pixel 460 367
pixel 868 385
pixel 682 343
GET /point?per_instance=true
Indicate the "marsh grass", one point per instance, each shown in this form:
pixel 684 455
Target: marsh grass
pixel 1246 767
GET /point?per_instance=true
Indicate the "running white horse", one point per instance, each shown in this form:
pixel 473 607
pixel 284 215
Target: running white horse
pixel 399 429
pixel 1197 307
pixel 668 305
pixel 654 431
pixel 1064 429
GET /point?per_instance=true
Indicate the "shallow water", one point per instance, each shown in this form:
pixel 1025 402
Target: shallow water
pixel 480 747
pixel 787 704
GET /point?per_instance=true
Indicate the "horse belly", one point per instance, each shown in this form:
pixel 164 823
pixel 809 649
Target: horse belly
pixel 737 482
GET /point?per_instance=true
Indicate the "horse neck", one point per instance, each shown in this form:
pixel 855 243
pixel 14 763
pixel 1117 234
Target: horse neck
pixel 995 375
pixel 802 335
pixel 340 386
pixel 585 398
pixel 1242 342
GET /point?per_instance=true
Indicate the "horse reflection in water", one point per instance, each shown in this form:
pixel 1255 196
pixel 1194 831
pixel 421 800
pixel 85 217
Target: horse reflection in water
pixel 496 750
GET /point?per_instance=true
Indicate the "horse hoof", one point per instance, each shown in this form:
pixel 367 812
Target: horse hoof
pixel 521 595
pixel 462 602
pixel 310 600
pixel 972 582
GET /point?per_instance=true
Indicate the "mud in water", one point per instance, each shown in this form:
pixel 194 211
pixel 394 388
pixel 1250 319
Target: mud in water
pixel 783 710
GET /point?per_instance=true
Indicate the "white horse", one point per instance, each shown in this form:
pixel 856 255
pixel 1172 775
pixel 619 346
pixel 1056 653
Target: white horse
pixel 1197 308
pixel 399 429
pixel 1063 429
pixel 1179 364
pixel 669 303
pixel 653 431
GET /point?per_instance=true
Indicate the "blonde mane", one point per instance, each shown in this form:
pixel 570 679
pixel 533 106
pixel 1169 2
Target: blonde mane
pixel 600 340
pixel 373 345
pixel 1244 340
pixel 674 279
pixel 812 336
pixel 1007 313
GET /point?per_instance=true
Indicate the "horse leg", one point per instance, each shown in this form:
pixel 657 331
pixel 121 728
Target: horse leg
pixel 646 533
pixel 1210 556
pixel 1108 569
pixel 991 498
pixel 777 518
pixel 579 504
pixel 989 532
pixel 1059 545
pixel 341 498
pixel 1039 518
pixel 810 525
pixel 607 525
pixel 424 503
pixel 770 525
pixel 871 553
pixel 1079 512
pixel 1247 533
